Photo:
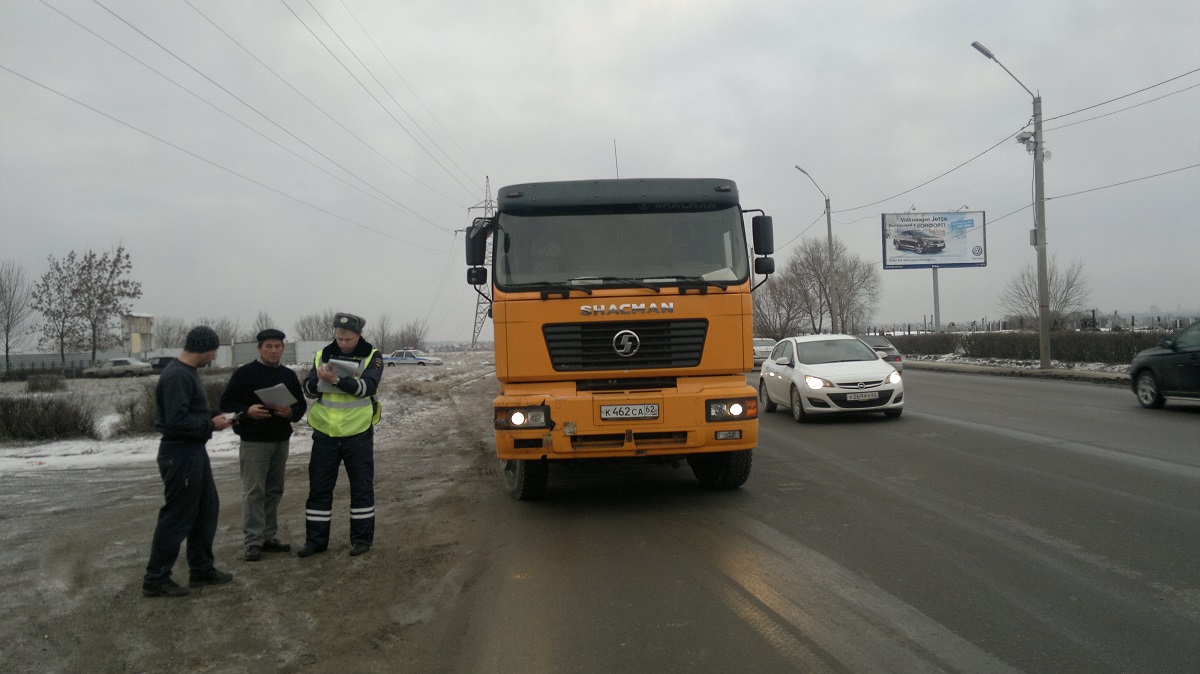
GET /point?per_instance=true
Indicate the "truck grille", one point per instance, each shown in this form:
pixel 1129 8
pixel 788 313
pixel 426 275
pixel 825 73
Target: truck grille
pixel 577 347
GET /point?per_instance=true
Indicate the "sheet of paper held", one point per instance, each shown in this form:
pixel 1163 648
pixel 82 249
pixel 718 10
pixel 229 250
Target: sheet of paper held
pixel 276 395
pixel 345 368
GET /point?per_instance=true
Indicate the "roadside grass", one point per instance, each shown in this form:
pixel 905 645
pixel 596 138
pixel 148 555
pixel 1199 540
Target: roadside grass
pixel 47 418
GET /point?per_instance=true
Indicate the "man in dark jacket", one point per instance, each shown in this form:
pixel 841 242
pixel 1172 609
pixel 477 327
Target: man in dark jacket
pixel 258 392
pixel 182 415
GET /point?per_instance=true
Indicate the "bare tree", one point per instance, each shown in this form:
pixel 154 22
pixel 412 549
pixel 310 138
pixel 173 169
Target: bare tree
pixel 170 332
pixel 102 288
pixel 54 297
pixel 858 288
pixel 315 327
pixel 16 291
pixel 413 334
pixel 262 322
pixel 229 330
pixel 1067 289
pixel 382 334
pixel 799 301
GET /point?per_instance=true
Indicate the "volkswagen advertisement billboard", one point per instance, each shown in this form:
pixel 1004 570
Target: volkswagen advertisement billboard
pixel 928 240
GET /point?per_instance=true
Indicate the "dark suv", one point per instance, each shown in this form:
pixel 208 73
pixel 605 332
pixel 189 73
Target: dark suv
pixel 918 240
pixel 1169 370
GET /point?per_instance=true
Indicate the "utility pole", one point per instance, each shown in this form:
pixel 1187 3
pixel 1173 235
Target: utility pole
pixel 1036 143
pixel 833 286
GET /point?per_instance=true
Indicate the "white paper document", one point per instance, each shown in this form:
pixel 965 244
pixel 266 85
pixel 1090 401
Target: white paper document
pixel 344 368
pixel 276 396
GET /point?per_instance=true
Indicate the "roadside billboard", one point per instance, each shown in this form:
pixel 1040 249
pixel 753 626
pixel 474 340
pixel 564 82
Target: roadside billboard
pixel 929 240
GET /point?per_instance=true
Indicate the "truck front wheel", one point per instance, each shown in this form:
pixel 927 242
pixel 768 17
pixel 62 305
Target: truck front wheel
pixel 722 470
pixel 525 480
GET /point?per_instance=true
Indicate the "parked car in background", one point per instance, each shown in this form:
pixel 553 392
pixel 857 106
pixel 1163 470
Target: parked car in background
pixel 157 363
pixel 891 354
pixel 918 240
pixel 1170 370
pixel 119 367
pixel 762 349
pixel 410 357
pixel 828 374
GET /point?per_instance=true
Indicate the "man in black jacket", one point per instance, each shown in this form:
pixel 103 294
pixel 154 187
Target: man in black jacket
pixel 182 415
pixel 265 427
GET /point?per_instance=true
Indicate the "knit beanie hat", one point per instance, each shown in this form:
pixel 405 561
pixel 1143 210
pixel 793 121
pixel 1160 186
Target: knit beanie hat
pixel 202 339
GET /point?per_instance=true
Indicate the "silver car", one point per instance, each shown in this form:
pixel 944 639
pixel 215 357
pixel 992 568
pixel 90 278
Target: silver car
pixel 762 349
pixel 119 367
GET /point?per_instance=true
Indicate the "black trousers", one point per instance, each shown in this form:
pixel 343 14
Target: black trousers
pixel 190 512
pixel 357 452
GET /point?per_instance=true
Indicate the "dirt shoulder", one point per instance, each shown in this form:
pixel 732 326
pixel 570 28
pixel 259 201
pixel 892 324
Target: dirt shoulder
pixel 75 544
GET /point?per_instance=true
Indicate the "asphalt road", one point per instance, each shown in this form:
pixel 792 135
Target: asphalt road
pixel 1001 525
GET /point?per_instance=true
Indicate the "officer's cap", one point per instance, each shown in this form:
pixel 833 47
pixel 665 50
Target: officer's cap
pixel 349 322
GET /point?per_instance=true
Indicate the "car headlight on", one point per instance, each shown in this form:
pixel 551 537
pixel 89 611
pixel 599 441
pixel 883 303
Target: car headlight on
pixel 513 418
pixel 815 383
pixel 731 409
pixel 893 378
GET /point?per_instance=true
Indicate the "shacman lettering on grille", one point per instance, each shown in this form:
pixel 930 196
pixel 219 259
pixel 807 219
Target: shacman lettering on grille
pixel 651 308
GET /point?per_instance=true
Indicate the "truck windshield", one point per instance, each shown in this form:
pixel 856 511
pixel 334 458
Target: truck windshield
pixel 621 249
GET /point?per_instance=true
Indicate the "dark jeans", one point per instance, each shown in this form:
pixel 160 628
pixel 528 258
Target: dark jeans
pixel 357 452
pixel 190 512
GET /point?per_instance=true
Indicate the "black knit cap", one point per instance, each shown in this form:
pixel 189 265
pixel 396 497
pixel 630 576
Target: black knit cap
pixel 202 339
pixel 349 322
pixel 269 333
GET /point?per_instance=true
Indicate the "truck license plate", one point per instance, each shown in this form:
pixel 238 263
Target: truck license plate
pixel 868 395
pixel 609 412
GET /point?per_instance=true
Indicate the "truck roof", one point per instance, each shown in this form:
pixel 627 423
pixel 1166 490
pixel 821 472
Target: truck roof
pixel 663 193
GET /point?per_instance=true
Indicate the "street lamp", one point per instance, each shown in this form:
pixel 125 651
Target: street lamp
pixel 1039 232
pixel 833 291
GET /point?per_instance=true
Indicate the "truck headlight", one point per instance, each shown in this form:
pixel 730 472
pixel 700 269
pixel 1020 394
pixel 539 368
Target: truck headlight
pixel 731 409
pixel 513 418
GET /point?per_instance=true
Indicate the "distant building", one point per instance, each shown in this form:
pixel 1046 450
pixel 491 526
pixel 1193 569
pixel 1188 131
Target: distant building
pixel 137 332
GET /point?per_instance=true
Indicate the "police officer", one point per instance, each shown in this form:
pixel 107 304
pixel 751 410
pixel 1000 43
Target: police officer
pixel 344 379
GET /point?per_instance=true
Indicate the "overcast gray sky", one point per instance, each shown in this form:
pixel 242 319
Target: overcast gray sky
pixel 292 156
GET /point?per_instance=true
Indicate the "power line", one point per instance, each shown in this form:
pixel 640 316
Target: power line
pixel 938 177
pixel 211 162
pixel 1132 93
pixel 1125 182
pixel 322 110
pixel 1109 114
pixel 410 89
pixel 368 91
pixel 814 222
pixel 395 204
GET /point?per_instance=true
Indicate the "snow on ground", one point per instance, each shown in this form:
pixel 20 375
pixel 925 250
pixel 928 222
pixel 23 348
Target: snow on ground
pixel 1026 364
pixel 401 408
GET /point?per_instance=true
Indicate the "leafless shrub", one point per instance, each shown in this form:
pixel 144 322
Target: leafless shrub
pixel 47 418
pixel 45 383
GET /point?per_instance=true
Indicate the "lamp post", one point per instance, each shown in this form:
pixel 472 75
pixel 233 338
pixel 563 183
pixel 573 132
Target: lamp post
pixel 1039 232
pixel 833 290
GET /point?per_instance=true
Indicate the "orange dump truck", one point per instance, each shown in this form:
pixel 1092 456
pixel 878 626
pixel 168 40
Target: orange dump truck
pixel 623 325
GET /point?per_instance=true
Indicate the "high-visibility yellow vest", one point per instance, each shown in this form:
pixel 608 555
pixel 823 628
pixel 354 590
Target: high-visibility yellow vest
pixel 338 414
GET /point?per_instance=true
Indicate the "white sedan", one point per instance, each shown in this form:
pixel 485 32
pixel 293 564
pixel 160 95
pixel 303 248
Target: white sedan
pixel 829 374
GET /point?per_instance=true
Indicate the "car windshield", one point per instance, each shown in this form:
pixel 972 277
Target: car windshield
pixel 620 249
pixel 764 342
pixel 833 351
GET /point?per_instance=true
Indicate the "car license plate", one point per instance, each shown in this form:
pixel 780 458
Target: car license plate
pixel 866 395
pixel 609 412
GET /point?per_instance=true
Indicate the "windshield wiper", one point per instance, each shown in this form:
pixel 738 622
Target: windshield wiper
pixel 698 281
pixel 548 288
pixel 628 282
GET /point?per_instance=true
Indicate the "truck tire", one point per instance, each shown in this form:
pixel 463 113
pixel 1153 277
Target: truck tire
pixel 525 480
pixel 722 470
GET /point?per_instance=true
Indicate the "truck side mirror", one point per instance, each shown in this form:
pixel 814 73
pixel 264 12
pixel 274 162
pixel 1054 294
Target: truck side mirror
pixel 476 241
pixel 764 235
pixel 764 265
pixel 477 276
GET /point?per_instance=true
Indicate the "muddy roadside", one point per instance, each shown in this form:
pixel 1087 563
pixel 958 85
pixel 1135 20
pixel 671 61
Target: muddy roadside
pixel 73 546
